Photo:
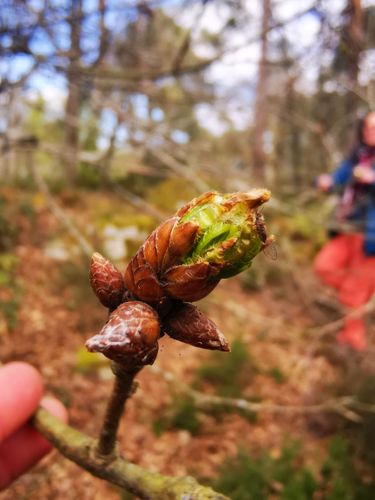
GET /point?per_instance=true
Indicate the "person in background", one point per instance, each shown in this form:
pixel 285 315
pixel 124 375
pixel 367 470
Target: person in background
pixel 347 261
pixel 21 446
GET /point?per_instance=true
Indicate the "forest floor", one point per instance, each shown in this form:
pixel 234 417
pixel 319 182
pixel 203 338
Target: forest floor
pixel 277 327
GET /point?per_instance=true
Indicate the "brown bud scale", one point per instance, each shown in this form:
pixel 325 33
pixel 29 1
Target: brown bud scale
pixel 188 324
pixel 106 281
pixel 190 282
pixel 146 276
pixel 130 336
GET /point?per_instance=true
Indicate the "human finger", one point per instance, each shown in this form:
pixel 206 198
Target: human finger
pixel 21 388
pixel 20 451
pixel 324 182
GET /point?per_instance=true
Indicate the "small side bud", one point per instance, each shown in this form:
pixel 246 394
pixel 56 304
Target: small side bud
pixel 130 336
pixel 106 281
pixel 188 324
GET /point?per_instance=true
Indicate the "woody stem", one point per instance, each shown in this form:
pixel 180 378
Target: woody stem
pixel 122 389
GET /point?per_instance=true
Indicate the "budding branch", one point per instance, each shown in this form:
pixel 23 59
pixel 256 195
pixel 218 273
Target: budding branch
pixel 100 457
pixel 147 485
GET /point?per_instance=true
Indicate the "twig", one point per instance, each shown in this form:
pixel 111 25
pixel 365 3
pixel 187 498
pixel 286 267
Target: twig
pixel 181 170
pixel 318 332
pixel 55 208
pixel 335 325
pixel 343 406
pixel 130 197
pixel 147 485
pixel 123 388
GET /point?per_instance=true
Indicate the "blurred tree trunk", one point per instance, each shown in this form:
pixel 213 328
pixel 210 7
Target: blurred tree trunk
pixel 71 141
pixel 295 134
pixel 260 111
pixel 354 40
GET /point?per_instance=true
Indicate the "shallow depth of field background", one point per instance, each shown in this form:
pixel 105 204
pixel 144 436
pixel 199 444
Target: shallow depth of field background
pixel 113 113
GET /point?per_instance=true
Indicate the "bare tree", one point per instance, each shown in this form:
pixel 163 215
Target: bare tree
pixel 260 113
pixel 71 142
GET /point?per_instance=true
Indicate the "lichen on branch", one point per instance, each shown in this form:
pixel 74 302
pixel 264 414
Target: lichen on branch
pixel 147 485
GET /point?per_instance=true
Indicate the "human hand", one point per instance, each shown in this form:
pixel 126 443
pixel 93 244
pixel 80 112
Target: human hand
pixel 364 174
pixel 21 446
pixel 324 182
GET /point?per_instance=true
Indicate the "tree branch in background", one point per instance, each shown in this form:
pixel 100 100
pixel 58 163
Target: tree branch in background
pixel 335 326
pixel 73 101
pixel 131 198
pixel 345 406
pixel 103 33
pixel 180 169
pixel 59 213
pixel 260 107
pixel 184 47
pixel 317 333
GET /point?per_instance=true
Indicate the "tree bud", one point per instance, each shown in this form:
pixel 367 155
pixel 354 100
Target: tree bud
pixel 106 281
pixel 229 236
pixel 130 336
pixel 214 236
pixel 188 324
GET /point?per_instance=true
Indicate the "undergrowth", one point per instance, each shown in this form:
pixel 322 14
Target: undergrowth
pixel 228 374
pixel 8 230
pixel 245 477
pixel 74 276
pixel 10 290
pixel 182 413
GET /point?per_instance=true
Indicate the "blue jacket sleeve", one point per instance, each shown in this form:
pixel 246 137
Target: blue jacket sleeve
pixel 343 174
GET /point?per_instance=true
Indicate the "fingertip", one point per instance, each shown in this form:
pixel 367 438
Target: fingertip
pixel 21 390
pixel 19 370
pixel 26 446
pixel 55 407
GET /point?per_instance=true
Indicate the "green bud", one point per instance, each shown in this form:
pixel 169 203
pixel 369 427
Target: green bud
pixel 231 230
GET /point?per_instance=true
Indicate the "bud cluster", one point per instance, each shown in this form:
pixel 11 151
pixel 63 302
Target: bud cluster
pixel 215 236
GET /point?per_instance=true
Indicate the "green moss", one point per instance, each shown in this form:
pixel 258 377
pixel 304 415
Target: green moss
pixel 246 477
pixel 228 374
pixel 182 413
pixel 124 495
pixel 12 290
pixel 74 277
pixel 356 380
pixel 123 217
pixel 185 415
pixel 88 177
pixel 277 375
pixel 340 477
pixel 27 210
pixel 366 431
pixel 159 426
pixel 171 193
pixel 8 229
pixel 140 184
